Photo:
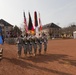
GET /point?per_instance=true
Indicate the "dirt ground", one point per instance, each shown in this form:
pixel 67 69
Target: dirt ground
pixel 59 60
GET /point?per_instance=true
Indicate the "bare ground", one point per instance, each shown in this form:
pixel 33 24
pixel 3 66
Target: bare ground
pixel 59 60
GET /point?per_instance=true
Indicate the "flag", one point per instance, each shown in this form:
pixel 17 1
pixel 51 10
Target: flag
pixel 30 25
pixel 25 23
pixel 35 19
pixel 40 27
pixel 33 30
pixel 36 23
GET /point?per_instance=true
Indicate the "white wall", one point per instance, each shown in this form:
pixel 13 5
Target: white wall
pixel 74 34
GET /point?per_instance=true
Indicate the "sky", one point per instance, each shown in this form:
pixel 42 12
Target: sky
pixel 60 12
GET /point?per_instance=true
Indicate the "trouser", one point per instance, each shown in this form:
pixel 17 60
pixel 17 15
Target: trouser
pixel 40 47
pixel 25 46
pixel 19 49
pixel 45 47
pixel 30 48
pixel 35 47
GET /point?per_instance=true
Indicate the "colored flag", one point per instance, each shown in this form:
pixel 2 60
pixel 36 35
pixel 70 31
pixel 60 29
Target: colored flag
pixel 33 30
pixel 40 27
pixel 25 23
pixel 30 25
pixel 35 19
pixel 36 23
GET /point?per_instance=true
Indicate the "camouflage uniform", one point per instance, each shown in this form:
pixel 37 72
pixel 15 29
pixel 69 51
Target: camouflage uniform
pixel 45 42
pixel 29 43
pixel 40 43
pixel 25 45
pixel 34 43
pixel 20 44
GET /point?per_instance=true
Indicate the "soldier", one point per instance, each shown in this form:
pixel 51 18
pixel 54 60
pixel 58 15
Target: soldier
pixel 20 44
pixel 29 44
pixel 25 44
pixel 45 43
pixel 40 43
pixel 34 43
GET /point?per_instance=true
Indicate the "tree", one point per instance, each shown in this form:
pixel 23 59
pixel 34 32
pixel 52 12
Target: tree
pixel 16 31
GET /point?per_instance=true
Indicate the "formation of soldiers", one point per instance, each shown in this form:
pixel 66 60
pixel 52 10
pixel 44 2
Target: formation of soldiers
pixel 32 44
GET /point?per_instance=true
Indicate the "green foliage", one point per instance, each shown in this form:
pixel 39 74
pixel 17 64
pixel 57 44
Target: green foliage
pixel 16 31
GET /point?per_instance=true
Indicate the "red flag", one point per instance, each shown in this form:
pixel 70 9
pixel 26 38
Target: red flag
pixel 40 28
pixel 25 23
pixel 33 28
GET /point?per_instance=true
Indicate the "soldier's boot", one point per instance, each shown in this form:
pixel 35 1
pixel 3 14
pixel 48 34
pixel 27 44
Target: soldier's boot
pixel 44 52
pixel 39 51
pixel 25 53
pixel 35 53
pixel 30 53
pixel 19 54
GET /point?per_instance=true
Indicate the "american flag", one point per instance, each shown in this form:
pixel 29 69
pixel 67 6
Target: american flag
pixel 25 23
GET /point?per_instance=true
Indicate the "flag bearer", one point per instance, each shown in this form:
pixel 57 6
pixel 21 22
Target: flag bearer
pixel 45 41
pixel 20 44
pixel 30 44
pixel 34 43
pixel 40 43
pixel 25 44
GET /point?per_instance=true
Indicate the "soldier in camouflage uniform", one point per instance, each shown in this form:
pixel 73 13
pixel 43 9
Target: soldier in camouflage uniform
pixel 29 44
pixel 25 44
pixel 20 44
pixel 40 43
pixel 34 43
pixel 45 41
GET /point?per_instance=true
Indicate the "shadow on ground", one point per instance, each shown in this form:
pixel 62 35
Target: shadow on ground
pixel 24 64
pixel 47 58
pixel 68 61
pixel 38 59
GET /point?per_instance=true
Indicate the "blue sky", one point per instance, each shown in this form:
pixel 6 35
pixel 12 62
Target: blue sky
pixel 61 12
